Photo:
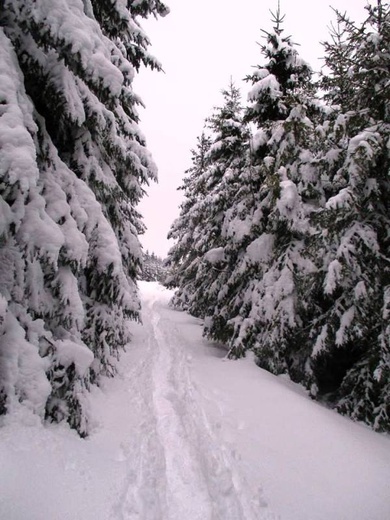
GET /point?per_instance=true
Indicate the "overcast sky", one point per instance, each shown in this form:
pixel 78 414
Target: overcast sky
pixel 201 44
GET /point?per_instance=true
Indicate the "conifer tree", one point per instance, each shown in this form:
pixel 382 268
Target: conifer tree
pixel 227 158
pixel 216 184
pixel 153 268
pixel 350 359
pixel 74 169
pixel 183 258
pixel 262 307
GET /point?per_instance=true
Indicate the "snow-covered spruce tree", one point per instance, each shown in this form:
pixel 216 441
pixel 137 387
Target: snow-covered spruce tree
pixel 263 308
pixel 351 356
pixel 153 269
pixel 183 258
pixel 226 159
pixel 72 169
pixel 219 181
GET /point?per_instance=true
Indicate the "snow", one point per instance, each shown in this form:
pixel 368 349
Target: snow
pixel 215 256
pixel 320 343
pixel 16 144
pixel 289 203
pixel 184 433
pixel 233 226
pixel 261 73
pixel 333 276
pixel 260 250
pixel 68 22
pixel 38 231
pixel 362 140
pixel 332 155
pixel 22 370
pixel 68 352
pixel 345 324
pixel 259 139
pixel 360 290
pixel 268 83
pixel 274 296
pixel 343 199
pixel 277 135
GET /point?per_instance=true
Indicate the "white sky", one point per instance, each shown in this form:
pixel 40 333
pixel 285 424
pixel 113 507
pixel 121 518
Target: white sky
pixel 201 44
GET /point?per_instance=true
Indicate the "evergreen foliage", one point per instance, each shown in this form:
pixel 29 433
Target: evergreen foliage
pixel 183 258
pixel 351 353
pixel 273 215
pixel 197 261
pixel 299 269
pixel 153 268
pixel 74 164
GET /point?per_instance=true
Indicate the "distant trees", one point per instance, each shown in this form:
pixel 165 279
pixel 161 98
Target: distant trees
pixel 292 261
pixel 74 165
pixel 153 268
pixel 210 189
pixel 184 256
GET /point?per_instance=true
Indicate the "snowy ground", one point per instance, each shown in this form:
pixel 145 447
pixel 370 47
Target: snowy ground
pixel 183 434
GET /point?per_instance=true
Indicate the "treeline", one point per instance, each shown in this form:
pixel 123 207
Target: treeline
pixel 74 165
pixel 153 268
pixel 282 243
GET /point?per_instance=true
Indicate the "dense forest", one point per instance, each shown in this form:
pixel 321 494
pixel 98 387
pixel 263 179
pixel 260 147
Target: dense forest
pixel 282 243
pixel 153 268
pixel 73 167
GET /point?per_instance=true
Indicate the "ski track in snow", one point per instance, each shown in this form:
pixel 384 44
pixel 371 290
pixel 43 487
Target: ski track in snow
pixel 182 470
pixel 181 434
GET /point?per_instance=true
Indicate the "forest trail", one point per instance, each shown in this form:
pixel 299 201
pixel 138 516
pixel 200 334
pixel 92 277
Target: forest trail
pixel 184 434
pixel 224 440
pixel 183 469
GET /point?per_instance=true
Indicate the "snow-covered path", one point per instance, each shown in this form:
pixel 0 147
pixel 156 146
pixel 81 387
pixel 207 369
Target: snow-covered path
pixel 182 434
pixel 188 472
